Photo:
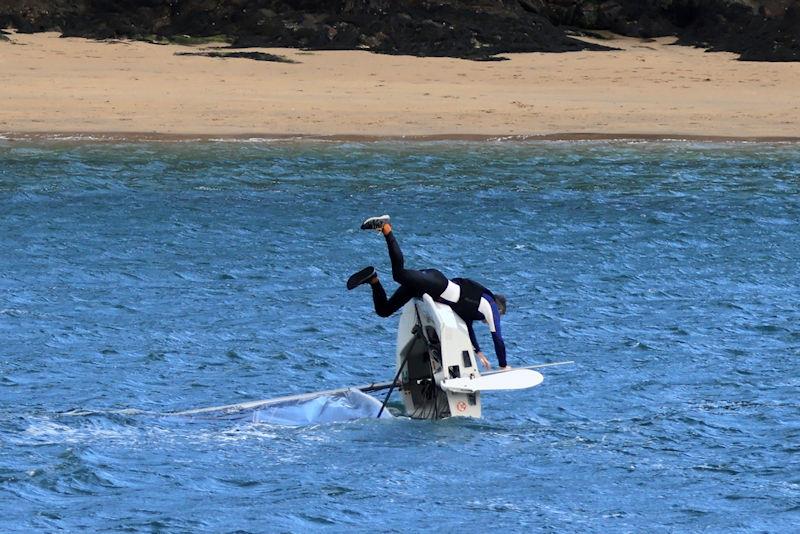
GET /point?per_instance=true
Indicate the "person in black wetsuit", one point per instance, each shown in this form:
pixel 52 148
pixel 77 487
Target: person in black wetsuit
pixel 469 299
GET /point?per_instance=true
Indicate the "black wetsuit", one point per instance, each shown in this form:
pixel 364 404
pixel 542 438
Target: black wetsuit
pixel 414 283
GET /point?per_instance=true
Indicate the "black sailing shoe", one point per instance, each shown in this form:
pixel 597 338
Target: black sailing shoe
pixel 361 277
pixel 375 223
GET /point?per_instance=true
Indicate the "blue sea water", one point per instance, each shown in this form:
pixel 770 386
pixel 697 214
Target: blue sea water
pixel 142 278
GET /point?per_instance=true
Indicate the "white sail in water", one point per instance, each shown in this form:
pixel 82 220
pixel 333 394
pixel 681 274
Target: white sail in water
pixel 305 409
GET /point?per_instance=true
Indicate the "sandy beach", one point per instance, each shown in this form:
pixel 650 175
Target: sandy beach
pixel 647 89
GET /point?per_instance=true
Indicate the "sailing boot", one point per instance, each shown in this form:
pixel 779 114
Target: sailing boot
pixel 361 277
pixel 375 223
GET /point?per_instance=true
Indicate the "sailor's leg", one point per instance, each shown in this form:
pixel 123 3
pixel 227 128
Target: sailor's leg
pixel 428 281
pixel 395 254
pixel 384 307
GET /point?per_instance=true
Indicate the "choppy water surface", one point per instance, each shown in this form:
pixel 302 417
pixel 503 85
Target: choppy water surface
pixel 171 276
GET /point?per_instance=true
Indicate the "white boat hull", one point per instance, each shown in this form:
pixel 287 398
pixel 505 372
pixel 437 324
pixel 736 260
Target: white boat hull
pixel 439 350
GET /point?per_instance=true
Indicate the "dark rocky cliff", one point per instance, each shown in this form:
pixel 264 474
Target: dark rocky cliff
pixel 758 30
pixel 470 29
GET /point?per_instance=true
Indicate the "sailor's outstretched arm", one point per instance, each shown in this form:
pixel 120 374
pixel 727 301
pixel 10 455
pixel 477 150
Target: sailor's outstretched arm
pixel 499 348
pixel 497 337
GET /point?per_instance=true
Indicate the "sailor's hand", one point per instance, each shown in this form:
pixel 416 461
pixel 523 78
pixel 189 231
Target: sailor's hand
pixel 484 360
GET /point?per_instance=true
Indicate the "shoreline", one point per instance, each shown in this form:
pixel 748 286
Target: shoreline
pixel 156 137
pixel 646 90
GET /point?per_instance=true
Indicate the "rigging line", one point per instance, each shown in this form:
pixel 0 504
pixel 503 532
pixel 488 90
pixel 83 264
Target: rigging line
pixel 394 383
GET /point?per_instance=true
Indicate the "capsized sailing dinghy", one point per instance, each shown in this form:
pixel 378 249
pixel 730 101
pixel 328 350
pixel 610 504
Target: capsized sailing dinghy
pixel 436 371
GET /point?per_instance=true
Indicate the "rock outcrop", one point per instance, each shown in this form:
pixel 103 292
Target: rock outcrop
pixel 762 30
pixel 468 29
pixel 765 30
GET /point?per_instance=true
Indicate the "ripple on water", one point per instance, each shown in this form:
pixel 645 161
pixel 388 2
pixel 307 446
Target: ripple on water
pixel 144 278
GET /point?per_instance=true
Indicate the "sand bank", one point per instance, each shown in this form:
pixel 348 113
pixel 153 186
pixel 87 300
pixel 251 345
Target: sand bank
pixel 647 89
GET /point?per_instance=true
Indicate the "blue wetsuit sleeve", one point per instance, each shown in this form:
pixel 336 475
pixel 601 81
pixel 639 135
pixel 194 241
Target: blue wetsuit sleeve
pixel 497 337
pixel 499 348
pixel 472 336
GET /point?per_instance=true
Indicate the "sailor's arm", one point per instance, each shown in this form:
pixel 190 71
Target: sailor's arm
pixel 481 356
pixel 493 320
pixel 499 349
pixel 472 337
